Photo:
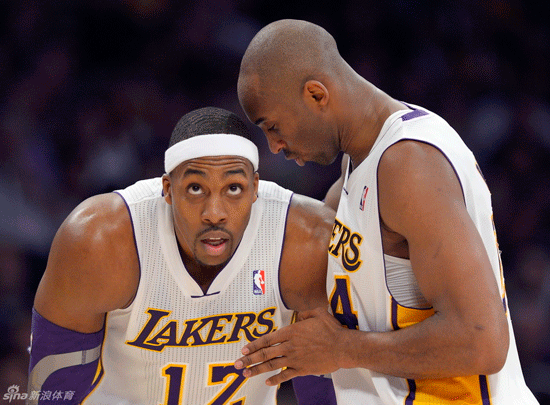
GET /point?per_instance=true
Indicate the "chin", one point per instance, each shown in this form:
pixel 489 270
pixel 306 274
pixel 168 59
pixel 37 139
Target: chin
pixel 218 262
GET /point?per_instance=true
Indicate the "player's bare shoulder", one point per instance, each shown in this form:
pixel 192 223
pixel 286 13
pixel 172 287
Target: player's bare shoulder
pixel 309 215
pixel 96 222
pixel 92 267
pixel 99 231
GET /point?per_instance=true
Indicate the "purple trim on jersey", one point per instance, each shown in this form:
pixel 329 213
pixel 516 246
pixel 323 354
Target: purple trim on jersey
pixel 394 323
pixel 412 392
pixel 135 241
pixel 312 389
pixel 413 114
pixel 205 295
pixel 484 388
pixel 281 254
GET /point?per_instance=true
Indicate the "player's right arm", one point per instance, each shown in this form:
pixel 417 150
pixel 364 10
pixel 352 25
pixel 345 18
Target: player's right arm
pixel 92 269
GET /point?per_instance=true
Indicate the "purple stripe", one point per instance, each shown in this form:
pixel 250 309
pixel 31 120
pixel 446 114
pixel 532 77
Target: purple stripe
pixel 394 323
pixel 205 295
pixel 484 388
pixel 412 393
pixel 281 254
pixel 413 114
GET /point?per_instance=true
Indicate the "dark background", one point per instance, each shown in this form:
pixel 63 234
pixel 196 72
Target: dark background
pixel 90 91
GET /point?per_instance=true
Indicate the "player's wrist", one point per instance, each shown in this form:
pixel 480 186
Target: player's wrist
pixel 347 351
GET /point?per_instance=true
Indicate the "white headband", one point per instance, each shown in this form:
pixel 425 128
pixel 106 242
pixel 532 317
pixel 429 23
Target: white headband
pixel 210 145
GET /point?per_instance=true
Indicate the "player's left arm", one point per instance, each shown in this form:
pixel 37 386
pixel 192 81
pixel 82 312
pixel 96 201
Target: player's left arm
pixel 303 275
pixel 303 269
pixel 420 198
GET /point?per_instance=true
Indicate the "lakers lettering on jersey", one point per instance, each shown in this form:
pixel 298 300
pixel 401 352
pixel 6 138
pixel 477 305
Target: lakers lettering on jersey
pixel 210 330
pixel 175 344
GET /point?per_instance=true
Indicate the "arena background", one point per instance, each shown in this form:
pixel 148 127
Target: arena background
pixel 90 91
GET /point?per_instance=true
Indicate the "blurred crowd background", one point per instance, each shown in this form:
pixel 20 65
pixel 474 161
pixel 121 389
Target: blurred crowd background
pixel 91 89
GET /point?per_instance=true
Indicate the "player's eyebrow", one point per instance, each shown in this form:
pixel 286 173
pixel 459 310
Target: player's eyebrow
pixel 259 121
pixel 189 172
pixel 234 171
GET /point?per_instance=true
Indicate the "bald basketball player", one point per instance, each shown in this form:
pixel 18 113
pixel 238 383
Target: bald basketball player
pixel 414 267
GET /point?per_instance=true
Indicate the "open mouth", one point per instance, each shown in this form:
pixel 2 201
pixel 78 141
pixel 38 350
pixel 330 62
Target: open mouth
pixel 214 246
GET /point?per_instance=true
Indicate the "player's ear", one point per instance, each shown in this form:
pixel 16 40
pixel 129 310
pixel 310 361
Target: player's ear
pixel 256 184
pixel 315 93
pixel 167 188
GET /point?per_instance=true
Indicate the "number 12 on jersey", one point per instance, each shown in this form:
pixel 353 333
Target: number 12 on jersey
pixel 218 374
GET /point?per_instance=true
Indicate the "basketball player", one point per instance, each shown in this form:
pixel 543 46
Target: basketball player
pixel 414 265
pixel 150 292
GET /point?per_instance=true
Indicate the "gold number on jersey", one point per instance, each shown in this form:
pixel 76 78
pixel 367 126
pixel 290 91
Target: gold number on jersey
pixel 217 374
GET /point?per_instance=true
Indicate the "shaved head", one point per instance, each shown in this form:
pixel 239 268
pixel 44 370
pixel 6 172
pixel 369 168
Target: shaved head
pixel 288 73
pixel 308 101
pixel 287 53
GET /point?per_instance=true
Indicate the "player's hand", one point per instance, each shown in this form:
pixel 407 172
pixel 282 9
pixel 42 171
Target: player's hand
pixel 306 347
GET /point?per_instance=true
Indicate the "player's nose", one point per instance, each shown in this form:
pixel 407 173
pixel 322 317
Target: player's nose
pixel 275 145
pixel 214 211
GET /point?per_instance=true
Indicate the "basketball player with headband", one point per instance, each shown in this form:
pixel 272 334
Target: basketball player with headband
pixel 150 292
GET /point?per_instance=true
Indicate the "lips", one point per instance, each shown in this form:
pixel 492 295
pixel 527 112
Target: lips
pixel 292 156
pixel 215 243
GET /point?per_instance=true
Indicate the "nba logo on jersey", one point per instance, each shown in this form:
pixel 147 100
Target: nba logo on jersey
pixel 363 198
pixel 258 285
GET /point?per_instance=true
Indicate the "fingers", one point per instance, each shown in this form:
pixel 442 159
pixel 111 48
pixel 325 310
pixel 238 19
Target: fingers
pixel 262 355
pixel 263 342
pixel 267 366
pixel 285 375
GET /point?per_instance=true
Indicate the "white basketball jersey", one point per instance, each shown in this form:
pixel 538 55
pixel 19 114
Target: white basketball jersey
pixel 176 345
pixel 374 292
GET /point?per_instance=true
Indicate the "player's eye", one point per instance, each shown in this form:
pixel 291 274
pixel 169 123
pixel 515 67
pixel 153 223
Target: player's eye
pixel 194 189
pixel 235 189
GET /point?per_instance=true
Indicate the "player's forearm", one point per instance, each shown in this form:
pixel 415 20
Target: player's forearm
pixel 433 348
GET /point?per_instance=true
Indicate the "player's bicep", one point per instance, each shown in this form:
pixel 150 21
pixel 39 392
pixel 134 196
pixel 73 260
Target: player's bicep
pixel 421 198
pixel 65 295
pixel 87 271
pixel 92 269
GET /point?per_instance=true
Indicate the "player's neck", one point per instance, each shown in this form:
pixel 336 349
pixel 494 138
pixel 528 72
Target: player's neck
pixel 371 113
pixel 203 275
